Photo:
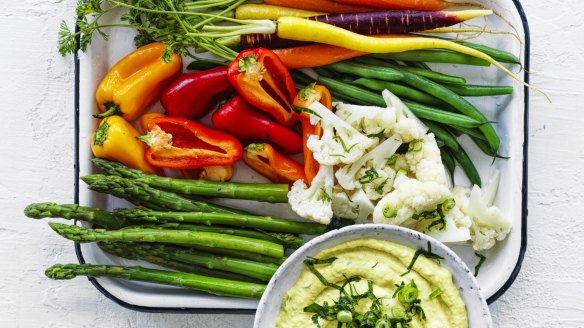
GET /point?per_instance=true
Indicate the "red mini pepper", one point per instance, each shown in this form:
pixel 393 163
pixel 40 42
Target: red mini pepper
pixel 192 95
pixel 182 144
pixel 262 79
pixel 238 118
pixel 305 98
pixel 265 160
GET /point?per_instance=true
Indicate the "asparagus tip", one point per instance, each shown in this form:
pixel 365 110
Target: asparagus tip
pixel 61 271
pixel 38 210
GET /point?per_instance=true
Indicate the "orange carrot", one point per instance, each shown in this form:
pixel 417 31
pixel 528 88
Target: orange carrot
pixel 403 4
pixel 315 55
pixel 327 6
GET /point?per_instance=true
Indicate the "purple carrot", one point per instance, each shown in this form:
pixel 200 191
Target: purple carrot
pixel 371 23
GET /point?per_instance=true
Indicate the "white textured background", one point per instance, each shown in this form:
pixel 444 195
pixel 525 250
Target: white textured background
pixel 36 164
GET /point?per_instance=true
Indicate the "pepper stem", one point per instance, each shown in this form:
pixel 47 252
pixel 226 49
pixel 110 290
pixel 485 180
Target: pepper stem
pixel 111 109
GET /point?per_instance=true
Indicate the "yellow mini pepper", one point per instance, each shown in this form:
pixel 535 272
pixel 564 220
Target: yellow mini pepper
pixel 136 81
pixel 115 139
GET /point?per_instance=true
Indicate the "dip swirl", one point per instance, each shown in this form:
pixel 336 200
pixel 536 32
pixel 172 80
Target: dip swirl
pixel 383 263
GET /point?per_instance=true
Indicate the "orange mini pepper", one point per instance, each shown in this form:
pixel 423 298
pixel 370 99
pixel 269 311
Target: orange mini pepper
pixel 305 98
pixel 265 160
pixel 115 139
pixel 136 81
pixel 179 143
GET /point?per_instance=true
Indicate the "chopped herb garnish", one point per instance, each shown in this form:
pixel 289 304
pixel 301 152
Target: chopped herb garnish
pixel 379 189
pixel 374 265
pixel 482 260
pixel 437 292
pixel 300 109
pixel 392 160
pixel 416 145
pixel 343 144
pixel 379 134
pixel 370 175
pixel 421 251
pixel 324 196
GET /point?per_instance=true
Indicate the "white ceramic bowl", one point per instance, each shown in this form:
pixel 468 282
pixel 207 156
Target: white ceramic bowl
pixel 288 273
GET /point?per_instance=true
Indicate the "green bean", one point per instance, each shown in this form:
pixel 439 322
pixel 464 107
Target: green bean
pixel 418 64
pixel 431 75
pixel 456 101
pixel 467 166
pixel 442 116
pixel 323 71
pixel 433 56
pixel 486 149
pixel 301 77
pixel 401 91
pixel 440 143
pixel 442 134
pixel 448 161
pixel 458 130
pixel 470 90
pixel 382 73
pixel 499 55
pixel 345 90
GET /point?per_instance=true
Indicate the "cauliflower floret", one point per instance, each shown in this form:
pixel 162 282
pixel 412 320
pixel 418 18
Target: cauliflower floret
pixel 409 198
pixel 488 224
pixel 355 206
pixel 456 227
pixel 374 122
pixel 314 203
pixel 340 142
pixel 371 171
pixel 408 125
pixel 424 160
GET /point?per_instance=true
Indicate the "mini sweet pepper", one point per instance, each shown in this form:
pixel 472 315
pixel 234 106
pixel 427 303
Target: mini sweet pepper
pixel 115 139
pixel 305 98
pixel 262 79
pixel 192 95
pixel 265 160
pixel 183 144
pixel 240 119
pixel 136 81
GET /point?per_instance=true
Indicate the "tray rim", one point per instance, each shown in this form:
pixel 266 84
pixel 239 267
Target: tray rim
pixel 524 193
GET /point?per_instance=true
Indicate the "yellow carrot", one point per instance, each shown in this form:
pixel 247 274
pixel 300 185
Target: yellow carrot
pixel 301 29
pixel 263 11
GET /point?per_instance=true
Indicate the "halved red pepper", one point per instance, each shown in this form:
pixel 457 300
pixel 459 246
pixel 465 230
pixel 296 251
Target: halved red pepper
pixel 182 144
pixel 262 79
pixel 192 95
pixel 265 160
pixel 240 119
pixel 305 98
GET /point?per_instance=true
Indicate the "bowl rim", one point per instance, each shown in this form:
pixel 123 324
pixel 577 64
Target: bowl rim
pixel 413 235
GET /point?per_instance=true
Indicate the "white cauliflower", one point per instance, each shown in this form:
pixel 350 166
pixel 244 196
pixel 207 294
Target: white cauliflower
pixel 375 122
pixel 424 160
pixel 410 197
pixel 355 206
pixel 488 224
pixel 371 171
pixel 408 125
pixel 340 142
pixel 314 203
pixel 456 227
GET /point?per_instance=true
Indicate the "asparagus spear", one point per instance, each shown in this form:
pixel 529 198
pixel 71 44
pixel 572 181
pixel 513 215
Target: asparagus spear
pixel 211 285
pixel 266 223
pixel 125 250
pixel 265 192
pixel 141 194
pixel 209 239
pixel 258 270
pixel 285 239
pixel 73 211
pixel 240 254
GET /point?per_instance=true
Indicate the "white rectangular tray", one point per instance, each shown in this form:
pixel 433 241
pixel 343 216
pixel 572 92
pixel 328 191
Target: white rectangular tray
pixel 511 113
